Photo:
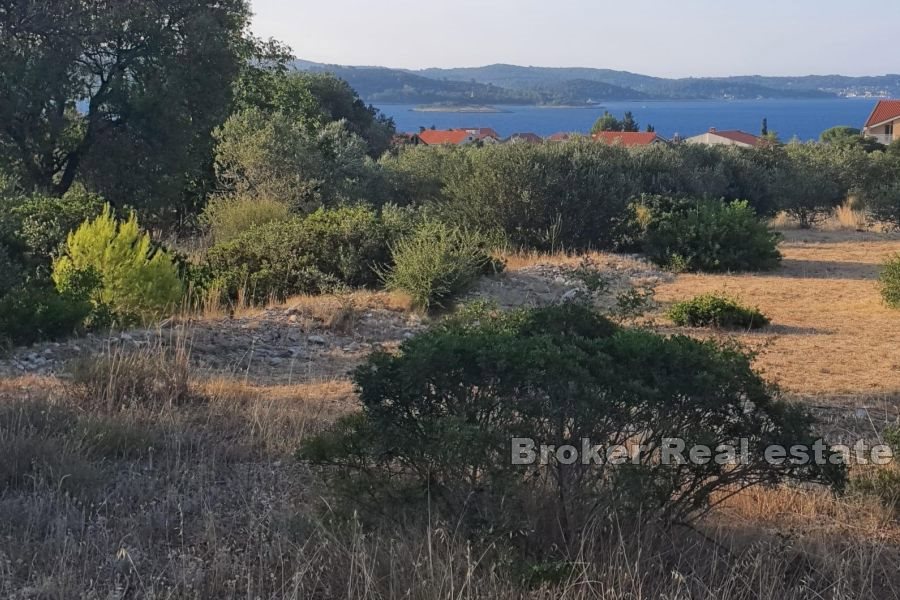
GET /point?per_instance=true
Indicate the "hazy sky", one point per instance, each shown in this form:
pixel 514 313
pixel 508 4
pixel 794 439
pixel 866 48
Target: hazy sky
pixel 655 37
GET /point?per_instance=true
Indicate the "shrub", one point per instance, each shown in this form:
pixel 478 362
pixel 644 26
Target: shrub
pixel 709 235
pixel 45 221
pixel 808 182
pixel 322 252
pixel 228 217
pixel 38 311
pixel 138 281
pixel 889 282
pixel 438 418
pixel 716 310
pixel 436 262
pixel 881 192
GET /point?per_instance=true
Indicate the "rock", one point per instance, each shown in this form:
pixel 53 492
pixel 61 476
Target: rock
pixel 275 361
pixel 316 339
pixel 571 295
pixel 292 319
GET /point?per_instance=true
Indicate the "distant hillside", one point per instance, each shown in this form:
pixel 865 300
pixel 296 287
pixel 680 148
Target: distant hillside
pixel 511 84
pixel 379 84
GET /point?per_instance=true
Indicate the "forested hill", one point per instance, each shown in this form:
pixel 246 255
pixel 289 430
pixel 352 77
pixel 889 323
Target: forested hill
pixel 511 84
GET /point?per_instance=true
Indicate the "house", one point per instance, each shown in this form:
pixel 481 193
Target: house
pixel 734 137
pixel 561 137
pixel 883 121
pixel 524 138
pixel 451 137
pixel 483 134
pixel 627 139
pixel 406 139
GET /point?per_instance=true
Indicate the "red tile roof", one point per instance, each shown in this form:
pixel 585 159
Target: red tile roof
pixel 627 138
pixel 481 132
pixel 736 135
pixel 561 137
pixel 531 138
pixel 885 110
pixel 436 137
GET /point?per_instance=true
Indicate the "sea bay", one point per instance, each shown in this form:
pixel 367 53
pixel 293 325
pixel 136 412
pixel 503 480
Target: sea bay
pixel 804 119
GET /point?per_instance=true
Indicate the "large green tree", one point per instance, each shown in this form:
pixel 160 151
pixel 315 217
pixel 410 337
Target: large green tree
pixel 121 94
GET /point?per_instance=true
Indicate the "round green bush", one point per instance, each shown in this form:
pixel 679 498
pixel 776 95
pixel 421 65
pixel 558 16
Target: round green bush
pixel 438 421
pixel 716 310
pixel 709 235
pixel 889 281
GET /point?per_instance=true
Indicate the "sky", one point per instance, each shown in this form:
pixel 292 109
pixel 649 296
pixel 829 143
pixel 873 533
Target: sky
pixel 667 38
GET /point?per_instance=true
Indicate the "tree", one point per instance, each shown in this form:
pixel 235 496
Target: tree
pixel 335 100
pixel 607 123
pixel 123 95
pixel 765 128
pixel 629 124
pixel 303 164
pixel 849 137
pixel 808 182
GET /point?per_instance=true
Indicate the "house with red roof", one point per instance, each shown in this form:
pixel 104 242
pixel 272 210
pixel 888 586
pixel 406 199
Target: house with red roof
pixel 562 137
pixel 524 138
pixel 444 137
pixel 734 137
pixel 883 122
pixel 627 139
pixel 483 134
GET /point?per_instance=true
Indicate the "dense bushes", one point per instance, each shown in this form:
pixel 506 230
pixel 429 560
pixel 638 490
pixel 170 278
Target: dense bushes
pixel 302 164
pixel 324 251
pixel 716 310
pixel 38 311
pixel 438 420
pixel 229 216
pixel 135 280
pixel 809 183
pixel 436 262
pixel 889 281
pixel 706 235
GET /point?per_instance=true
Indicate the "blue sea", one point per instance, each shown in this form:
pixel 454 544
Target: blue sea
pixel 805 119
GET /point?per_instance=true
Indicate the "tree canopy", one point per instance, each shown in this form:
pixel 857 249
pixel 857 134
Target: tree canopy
pixel 121 95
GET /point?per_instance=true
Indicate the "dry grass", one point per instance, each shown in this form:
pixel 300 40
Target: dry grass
pixel 139 480
pixel 846 217
pixel 323 307
pixel 204 500
pixel 831 334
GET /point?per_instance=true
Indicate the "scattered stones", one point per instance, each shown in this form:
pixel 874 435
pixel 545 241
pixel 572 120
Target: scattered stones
pixel 318 340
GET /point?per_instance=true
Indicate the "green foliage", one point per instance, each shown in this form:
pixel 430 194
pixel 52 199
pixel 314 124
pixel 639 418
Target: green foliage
pixel 436 262
pixel 38 311
pixel 321 252
pixel 716 310
pixel 438 419
pixel 547 196
pixel 889 281
pixel 303 164
pixel 880 191
pixel 606 122
pixel 152 81
pixel 708 235
pixel 229 216
pixel 45 222
pixel 809 182
pixel 139 282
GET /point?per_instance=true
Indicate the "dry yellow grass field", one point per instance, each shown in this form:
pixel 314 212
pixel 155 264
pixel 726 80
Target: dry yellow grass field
pixel 830 335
